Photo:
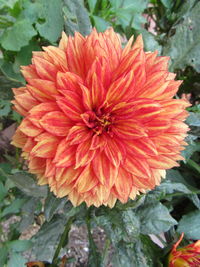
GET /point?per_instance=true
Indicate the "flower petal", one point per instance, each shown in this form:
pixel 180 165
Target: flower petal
pixel 56 123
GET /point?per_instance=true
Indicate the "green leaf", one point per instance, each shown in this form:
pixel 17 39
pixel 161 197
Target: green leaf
pixel 17 36
pixel 7 69
pixel 25 54
pixel 100 24
pixel 28 213
pixel 3 255
pixel 167 3
pixel 92 4
pixel 53 205
pixel 131 225
pixel 19 245
pixel 4 107
pixel 150 42
pixel 189 224
pixel 13 208
pixel 28 185
pixel 3 191
pixel 47 238
pixel 7 3
pixel 183 46
pixel 155 219
pixel 190 149
pixel 143 252
pixel 16 260
pixel 129 13
pixel 76 18
pixel 193 119
pixel 51 13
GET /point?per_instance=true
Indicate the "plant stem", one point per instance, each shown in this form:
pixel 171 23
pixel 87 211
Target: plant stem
pixel 105 252
pixel 63 239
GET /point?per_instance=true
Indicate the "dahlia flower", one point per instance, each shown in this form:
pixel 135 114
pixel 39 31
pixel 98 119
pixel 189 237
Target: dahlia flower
pixel 100 122
pixel 188 256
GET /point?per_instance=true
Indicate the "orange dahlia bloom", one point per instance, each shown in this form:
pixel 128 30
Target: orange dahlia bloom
pixel 188 256
pixel 100 121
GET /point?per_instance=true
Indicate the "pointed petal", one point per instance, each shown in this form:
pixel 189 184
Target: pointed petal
pixel 162 162
pixel 56 123
pixel 44 69
pixel 78 134
pixel 29 129
pixel 69 81
pixel 121 89
pixel 123 185
pixel 65 154
pixel 129 129
pixel 46 147
pixel 67 176
pixel 142 147
pixel 83 154
pixel 26 100
pixel 71 106
pixel 137 167
pixel 19 139
pixel 44 87
pixel 113 152
pixel 37 112
pixel 98 141
pixel 104 170
pixel 58 56
pixel 86 180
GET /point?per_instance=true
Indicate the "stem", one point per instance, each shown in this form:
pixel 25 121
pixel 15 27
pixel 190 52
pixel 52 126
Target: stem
pixel 93 253
pixel 105 252
pixel 63 239
pixel 193 165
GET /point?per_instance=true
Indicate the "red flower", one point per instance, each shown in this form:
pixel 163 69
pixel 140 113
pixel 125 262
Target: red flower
pixel 188 256
pixel 100 121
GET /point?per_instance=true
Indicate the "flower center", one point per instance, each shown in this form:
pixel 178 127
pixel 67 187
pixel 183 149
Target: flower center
pixel 98 123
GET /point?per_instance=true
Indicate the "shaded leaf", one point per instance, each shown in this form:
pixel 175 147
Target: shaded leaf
pixel 143 252
pixel 193 119
pixel 17 36
pixel 150 42
pixel 16 260
pixel 53 205
pixel 27 213
pixel 100 24
pixel 28 185
pixel 76 18
pixel 3 255
pixel 25 54
pixel 8 71
pixel 47 238
pixel 3 191
pixel 129 13
pixel 19 245
pixel 13 208
pixel 183 46
pixel 4 107
pixel 190 149
pixel 155 219
pixel 51 13
pixel 92 4
pixel 189 224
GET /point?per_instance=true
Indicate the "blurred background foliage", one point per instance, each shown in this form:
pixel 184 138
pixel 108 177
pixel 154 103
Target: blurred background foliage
pixel 172 28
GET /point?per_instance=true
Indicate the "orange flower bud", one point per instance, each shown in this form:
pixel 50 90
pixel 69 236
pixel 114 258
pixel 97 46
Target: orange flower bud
pixel 188 256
